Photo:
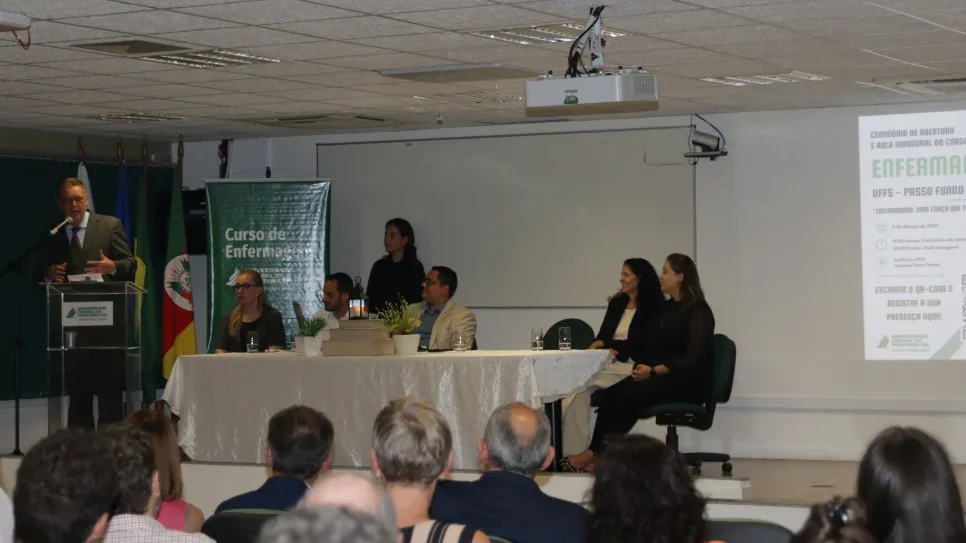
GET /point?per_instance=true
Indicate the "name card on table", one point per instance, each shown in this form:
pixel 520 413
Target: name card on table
pixel 87 313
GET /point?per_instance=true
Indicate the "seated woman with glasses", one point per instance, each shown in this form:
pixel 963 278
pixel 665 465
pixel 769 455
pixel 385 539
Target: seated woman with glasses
pixel 251 316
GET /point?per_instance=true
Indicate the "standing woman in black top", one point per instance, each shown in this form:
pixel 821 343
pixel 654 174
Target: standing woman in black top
pixel 399 274
pixel 251 314
pixel 674 365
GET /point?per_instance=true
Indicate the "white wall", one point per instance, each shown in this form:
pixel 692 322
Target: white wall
pixel 778 250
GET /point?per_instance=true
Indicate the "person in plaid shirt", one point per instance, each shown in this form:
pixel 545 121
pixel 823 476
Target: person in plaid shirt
pixel 139 494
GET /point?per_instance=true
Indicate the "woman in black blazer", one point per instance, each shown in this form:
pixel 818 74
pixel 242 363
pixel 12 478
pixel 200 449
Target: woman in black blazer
pixel 251 315
pixel 630 313
pixel 673 364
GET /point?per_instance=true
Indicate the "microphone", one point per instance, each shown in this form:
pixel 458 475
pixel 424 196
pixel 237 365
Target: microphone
pixel 53 231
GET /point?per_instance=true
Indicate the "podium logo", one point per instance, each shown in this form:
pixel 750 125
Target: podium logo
pixel 884 342
pixel 88 313
pixel 71 314
pixel 177 282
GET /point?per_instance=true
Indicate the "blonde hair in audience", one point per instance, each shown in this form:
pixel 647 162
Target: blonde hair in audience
pixel 167 455
pixel 234 321
pixel 837 521
pixel 412 442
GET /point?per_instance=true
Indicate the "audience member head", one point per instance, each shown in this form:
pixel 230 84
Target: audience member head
pixel 517 439
pixel 679 279
pixel 250 293
pixel 400 238
pixel 639 280
pixel 138 490
pixel 411 443
pixel 909 489
pixel 837 521
pixel 167 456
pixel 299 443
pixel 72 197
pixel 439 285
pixel 335 293
pixel 325 525
pixel 65 489
pixel 643 491
pixel 354 492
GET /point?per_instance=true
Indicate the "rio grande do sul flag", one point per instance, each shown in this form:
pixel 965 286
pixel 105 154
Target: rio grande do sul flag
pixel 177 314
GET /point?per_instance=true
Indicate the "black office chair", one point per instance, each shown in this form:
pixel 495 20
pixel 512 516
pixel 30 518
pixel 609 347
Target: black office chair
pixel 701 416
pixel 237 526
pixel 746 531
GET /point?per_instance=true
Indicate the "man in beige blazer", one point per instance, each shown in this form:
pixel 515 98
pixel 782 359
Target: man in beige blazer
pixel 439 315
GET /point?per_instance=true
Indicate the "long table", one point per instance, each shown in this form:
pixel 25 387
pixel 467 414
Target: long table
pixel 225 401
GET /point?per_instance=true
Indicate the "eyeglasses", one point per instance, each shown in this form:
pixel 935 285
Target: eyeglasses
pixel 428 281
pixel 74 199
pixel 243 286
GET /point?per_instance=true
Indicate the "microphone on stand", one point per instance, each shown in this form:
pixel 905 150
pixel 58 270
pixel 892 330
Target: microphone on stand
pixel 53 231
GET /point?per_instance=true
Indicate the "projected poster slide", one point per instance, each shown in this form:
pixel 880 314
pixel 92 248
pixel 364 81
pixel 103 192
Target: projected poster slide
pixel 913 172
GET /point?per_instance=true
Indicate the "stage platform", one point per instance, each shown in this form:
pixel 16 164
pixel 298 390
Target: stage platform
pixel 778 491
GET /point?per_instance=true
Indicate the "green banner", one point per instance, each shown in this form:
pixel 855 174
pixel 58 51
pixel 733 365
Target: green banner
pixel 278 228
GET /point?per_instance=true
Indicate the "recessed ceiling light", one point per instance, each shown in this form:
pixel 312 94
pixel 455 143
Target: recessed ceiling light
pixel 211 59
pixel 741 81
pixel 133 117
pixel 528 35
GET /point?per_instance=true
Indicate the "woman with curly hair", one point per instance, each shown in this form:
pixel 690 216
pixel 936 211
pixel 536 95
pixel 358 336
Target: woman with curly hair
pixel 643 492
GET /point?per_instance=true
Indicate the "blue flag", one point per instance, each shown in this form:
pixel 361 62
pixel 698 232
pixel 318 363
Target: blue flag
pixel 121 208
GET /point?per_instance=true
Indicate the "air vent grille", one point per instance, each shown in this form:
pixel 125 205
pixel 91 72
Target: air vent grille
pixel 133 117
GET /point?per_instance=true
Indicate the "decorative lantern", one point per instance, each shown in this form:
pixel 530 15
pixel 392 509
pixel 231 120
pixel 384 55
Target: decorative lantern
pixel 358 302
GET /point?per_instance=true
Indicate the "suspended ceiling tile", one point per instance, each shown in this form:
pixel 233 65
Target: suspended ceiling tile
pixel 231 99
pixel 93 82
pixel 731 35
pixel 320 94
pixel 158 90
pixel 80 96
pixel 677 21
pixel 48 32
pixel 284 69
pixel 14 72
pixel 150 22
pixel 60 9
pixel 255 84
pixel 265 12
pixel 378 7
pixel 437 41
pixel 345 79
pixel 319 50
pixel 478 18
pixel 233 38
pixel 388 61
pixel 112 66
pixel 43 53
pixel 354 28
pixel 578 9
pixel 191 75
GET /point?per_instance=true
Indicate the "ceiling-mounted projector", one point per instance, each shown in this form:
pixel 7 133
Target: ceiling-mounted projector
pixel 597 94
pixel 12 22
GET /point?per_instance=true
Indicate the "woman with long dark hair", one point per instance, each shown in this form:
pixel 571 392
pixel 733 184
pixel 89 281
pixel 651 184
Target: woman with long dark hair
pixel 673 365
pixel 252 315
pixel 643 492
pixel 629 318
pixel 909 489
pixel 837 521
pixel 399 274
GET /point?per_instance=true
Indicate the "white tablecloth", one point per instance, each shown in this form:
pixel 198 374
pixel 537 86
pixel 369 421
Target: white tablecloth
pixel 225 401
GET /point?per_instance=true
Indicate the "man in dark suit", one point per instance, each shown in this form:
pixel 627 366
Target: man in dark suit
pixel 92 243
pixel 299 450
pixel 506 502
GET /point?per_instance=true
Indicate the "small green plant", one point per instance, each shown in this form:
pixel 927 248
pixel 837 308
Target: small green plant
pixel 399 319
pixel 312 327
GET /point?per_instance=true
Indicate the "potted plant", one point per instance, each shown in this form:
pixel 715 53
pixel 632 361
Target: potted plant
pixel 308 340
pixel 402 324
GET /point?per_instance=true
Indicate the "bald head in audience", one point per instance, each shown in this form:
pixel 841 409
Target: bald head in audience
pixel 517 439
pixel 353 492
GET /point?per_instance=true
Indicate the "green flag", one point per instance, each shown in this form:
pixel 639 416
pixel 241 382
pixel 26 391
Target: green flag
pixel 147 313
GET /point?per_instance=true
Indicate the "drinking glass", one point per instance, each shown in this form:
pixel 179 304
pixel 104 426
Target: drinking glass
pixel 71 339
pixel 459 340
pixel 536 339
pixel 564 337
pixel 252 344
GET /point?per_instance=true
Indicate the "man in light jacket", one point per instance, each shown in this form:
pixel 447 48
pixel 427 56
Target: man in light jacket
pixel 439 315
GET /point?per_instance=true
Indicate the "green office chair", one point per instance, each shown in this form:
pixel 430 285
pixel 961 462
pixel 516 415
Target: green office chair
pixel 701 416
pixel 581 335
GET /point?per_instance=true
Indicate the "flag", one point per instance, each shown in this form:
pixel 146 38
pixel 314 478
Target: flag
pixel 122 208
pixel 147 323
pixel 82 175
pixel 177 309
